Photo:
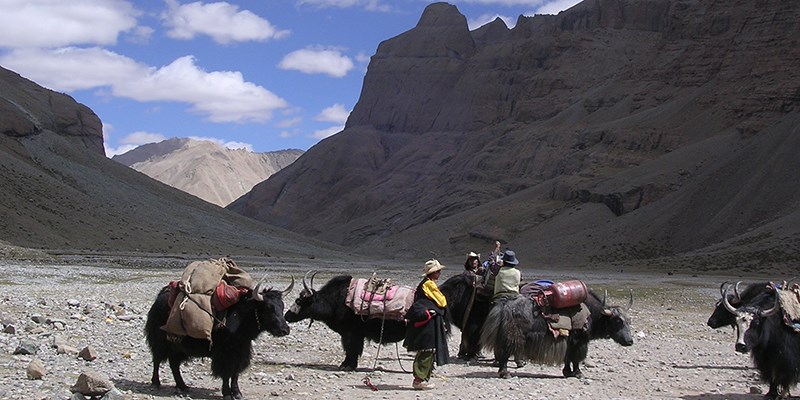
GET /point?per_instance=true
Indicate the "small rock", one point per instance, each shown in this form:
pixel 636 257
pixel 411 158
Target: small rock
pixel 756 390
pixel 36 369
pixel 66 349
pixel 10 329
pixel 73 303
pixel 92 383
pixel 38 318
pixel 114 394
pixel 88 353
pixel 27 347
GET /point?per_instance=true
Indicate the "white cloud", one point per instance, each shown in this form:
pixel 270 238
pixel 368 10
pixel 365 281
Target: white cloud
pixel 288 123
pixel 554 7
pixel 323 133
pixel 113 151
pixel 329 61
pixel 222 21
pixel 335 113
pixel 129 142
pixel 486 18
pixel 233 145
pixel 141 137
pixel 370 5
pixel 141 34
pixel 222 96
pixel 56 23
pixel 539 6
pixel 72 68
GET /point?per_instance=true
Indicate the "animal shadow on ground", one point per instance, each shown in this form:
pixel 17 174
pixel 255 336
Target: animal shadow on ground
pixel 725 396
pixel 196 393
pixel 730 367
pixel 517 374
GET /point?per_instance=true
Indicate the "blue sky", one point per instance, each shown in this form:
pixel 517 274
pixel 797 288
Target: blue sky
pixel 258 74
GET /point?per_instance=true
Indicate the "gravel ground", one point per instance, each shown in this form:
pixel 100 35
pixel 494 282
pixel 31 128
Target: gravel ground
pixel 675 356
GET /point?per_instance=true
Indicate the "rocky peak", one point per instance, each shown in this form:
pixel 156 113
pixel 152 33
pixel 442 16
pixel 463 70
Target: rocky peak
pixel 27 109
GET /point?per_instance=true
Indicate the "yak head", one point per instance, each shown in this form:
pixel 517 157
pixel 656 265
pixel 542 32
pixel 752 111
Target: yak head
pixel 748 317
pixel 618 321
pixel 269 309
pixel 756 294
pixel 301 308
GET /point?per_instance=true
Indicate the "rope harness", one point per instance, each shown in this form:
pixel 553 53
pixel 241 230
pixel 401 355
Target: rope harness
pixel 368 378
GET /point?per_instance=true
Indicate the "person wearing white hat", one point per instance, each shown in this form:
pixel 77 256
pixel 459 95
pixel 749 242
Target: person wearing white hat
pixel 473 263
pixel 426 331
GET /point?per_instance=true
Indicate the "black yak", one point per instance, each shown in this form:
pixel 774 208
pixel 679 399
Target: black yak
pixel 515 327
pixel 463 301
pixel 232 344
pixel 605 322
pixel 757 294
pixel 328 305
pixel 773 345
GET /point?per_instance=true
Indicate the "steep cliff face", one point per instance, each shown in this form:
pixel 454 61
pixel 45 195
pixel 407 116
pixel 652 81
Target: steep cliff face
pixel 27 109
pixel 625 108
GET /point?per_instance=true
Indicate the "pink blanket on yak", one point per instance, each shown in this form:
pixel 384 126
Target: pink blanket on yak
pixel 389 304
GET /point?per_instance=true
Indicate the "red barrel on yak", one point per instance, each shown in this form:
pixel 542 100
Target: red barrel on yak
pixel 567 293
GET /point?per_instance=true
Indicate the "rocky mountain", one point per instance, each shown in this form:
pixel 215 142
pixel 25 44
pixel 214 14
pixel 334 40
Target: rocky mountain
pixel 617 130
pixel 60 192
pixel 205 169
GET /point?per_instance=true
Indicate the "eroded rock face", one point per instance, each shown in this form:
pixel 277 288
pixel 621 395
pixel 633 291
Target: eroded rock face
pixel 26 109
pixel 629 101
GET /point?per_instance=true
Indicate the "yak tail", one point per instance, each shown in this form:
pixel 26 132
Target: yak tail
pixel 512 330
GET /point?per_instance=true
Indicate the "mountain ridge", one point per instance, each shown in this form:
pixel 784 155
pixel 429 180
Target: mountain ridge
pixel 206 169
pixel 627 109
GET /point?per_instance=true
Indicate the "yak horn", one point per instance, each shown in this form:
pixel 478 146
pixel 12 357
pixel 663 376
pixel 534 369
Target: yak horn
pixel 774 309
pixel 257 292
pixel 736 292
pixel 726 303
pixel 723 286
pixel 605 295
pixel 630 303
pixel 305 286
pixel 312 280
pixel 288 289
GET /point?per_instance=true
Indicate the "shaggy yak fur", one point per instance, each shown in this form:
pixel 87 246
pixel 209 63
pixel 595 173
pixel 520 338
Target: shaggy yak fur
pixel 772 344
pixel 232 344
pixel 511 329
pixel 460 292
pixel 328 305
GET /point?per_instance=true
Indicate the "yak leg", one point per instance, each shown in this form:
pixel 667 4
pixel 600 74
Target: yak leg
pixel 353 345
pixel 773 392
pixel 235 391
pixel 577 349
pixel 155 380
pixel 175 366
pixel 502 362
pixel 230 388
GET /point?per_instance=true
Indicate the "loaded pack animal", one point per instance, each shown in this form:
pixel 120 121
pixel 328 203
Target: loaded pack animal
pixel 517 326
pixel 230 348
pixel 328 305
pixel 467 311
pixel 605 322
pixel 755 294
pixel 774 346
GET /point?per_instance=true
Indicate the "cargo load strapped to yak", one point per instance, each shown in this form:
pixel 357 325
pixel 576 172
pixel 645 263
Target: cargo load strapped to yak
pixel 379 298
pixel 199 298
